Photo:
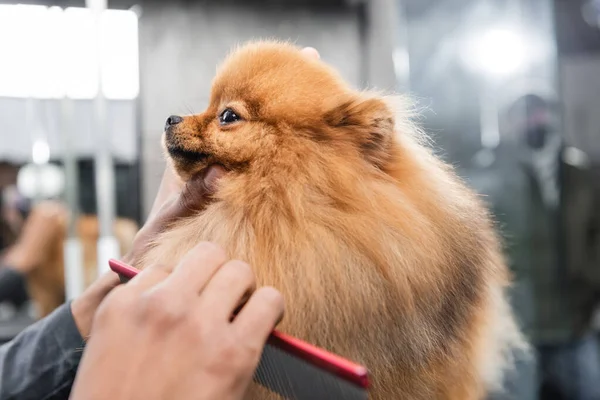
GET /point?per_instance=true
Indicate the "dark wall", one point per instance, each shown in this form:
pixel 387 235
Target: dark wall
pixel 574 35
pixel 579 53
pixel 127 182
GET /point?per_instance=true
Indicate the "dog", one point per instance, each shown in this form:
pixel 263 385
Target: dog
pixel 335 197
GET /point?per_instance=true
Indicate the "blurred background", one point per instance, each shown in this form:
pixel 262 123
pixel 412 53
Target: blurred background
pixel 508 89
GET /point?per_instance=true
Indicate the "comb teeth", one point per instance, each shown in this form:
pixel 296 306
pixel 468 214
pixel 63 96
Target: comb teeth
pixel 296 379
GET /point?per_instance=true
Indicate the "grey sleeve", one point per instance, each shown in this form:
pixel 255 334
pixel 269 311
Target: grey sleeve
pixel 41 362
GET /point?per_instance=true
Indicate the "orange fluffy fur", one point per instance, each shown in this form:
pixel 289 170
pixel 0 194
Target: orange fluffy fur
pixel 383 255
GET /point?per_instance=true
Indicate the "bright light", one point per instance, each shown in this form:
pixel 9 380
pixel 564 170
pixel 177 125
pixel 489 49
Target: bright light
pixel 19 27
pixel 576 157
pixel 41 181
pixel 81 61
pixel 498 52
pixel 401 63
pixel 48 75
pixel 120 71
pixel 48 52
pixel 40 152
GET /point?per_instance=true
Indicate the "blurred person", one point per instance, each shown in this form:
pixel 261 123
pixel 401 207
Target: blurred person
pixel 46 280
pixel 11 216
pixel 564 300
pixel 33 247
pixel 41 362
pixel 11 204
pixel 504 186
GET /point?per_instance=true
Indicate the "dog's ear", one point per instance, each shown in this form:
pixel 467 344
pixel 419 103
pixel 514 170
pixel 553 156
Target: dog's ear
pixel 371 123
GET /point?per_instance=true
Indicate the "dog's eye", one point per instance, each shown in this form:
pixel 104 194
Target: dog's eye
pixel 228 117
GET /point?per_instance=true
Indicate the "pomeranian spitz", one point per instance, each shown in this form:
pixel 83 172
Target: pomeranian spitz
pixel 333 196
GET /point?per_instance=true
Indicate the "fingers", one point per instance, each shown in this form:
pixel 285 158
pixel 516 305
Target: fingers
pixel 169 185
pixel 84 307
pixel 196 268
pixel 230 285
pixel 209 287
pixel 193 197
pixel 260 315
pixel 149 277
pixel 213 174
pixel 107 281
pixel 311 52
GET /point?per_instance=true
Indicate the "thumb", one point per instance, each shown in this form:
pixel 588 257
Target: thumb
pixel 197 191
pixel 193 197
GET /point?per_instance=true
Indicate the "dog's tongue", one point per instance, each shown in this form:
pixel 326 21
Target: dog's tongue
pixel 213 174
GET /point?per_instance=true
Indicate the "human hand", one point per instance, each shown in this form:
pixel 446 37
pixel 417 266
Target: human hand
pixel 311 52
pixel 171 334
pixel 174 200
pixel 35 243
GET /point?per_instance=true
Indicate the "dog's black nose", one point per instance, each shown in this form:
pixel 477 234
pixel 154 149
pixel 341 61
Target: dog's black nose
pixel 173 120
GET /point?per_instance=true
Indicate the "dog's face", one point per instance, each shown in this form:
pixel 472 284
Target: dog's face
pixel 269 96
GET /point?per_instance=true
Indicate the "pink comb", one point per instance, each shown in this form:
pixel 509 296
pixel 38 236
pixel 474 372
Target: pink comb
pixel 295 369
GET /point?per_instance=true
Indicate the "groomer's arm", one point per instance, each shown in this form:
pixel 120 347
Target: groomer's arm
pixel 32 364
pixel 40 363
